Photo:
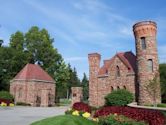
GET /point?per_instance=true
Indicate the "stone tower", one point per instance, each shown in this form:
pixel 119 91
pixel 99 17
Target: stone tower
pixel 94 66
pixel 147 59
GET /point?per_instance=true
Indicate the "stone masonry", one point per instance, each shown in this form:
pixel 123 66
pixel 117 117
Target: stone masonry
pixel 125 70
pixel 77 94
pixel 32 85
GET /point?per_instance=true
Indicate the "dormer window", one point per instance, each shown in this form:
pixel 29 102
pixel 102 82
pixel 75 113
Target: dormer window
pixel 143 43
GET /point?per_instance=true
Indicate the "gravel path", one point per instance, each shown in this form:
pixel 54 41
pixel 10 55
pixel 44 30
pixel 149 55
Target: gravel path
pixel 26 115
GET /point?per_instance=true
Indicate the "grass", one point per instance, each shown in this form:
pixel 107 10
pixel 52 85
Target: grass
pixel 162 105
pixel 63 102
pixel 65 120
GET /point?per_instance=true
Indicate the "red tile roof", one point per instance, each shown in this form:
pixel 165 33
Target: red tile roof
pixel 33 72
pixel 128 58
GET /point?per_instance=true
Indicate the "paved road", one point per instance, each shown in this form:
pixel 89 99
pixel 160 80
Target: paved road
pixel 27 115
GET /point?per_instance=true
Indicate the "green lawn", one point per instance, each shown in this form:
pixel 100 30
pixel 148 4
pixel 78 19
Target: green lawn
pixel 65 120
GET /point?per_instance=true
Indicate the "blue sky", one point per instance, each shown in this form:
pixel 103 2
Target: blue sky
pixel 80 27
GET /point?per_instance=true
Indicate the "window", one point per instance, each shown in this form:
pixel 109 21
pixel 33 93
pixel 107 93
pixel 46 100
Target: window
pixel 112 88
pixel 74 94
pixel 143 43
pixel 117 71
pixel 124 87
pixel 106 71
pixel 150 65
pixel 118 87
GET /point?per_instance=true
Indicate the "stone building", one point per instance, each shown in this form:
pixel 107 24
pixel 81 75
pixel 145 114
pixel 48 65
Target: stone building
pixel 126 70
pixel 34 86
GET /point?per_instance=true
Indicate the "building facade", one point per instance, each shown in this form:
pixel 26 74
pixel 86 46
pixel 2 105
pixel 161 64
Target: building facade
pixel 126 70
pixel 32 85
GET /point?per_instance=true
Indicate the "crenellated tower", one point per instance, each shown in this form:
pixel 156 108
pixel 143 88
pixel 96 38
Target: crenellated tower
pixel 94 66
pixel 147 59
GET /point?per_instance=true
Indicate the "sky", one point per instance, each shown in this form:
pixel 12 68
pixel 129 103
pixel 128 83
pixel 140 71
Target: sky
pixel 80 27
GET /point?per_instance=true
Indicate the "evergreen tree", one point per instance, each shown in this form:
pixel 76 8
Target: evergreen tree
pixel 73 80
pixel 85 85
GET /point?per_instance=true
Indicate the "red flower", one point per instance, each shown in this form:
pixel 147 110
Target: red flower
pixel 80 106
pixel 153 117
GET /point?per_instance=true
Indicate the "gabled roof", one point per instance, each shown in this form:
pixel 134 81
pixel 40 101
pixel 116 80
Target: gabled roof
pixel 33 72
pixel 128 58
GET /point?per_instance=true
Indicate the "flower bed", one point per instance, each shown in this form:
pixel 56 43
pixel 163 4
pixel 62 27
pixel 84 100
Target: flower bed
pixel 80 106
pixel 7 101
pixel 153 117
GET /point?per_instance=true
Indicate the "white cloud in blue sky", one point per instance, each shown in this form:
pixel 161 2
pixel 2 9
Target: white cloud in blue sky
pixel 80 27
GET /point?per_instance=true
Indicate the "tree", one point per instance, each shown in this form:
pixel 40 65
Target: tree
pixel 61 78
pixel 153 88
pixel 11 61
pixel 17 41
pixel 85 85
pixel 73 80
pixel 163 81
pixel 1 42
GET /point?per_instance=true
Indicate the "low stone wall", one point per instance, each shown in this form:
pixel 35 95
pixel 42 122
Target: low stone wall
pixel 145 107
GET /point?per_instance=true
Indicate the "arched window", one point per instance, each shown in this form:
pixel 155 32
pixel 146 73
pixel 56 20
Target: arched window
pixel 106 71
pixel 124 87
pixel 150 65
pixel 143 43
pixel 117 71
pixel 112 88
pixel 118 87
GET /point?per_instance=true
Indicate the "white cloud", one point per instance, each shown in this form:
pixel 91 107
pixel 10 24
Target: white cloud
pixel 83 26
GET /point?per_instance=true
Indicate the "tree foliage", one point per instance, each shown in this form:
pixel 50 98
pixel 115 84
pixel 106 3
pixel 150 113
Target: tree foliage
pixel 11 61
pixel 73 80
pixel 85 85
pixel 152 88
pixel 163 81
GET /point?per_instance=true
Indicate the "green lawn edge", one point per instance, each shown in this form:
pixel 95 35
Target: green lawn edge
pixel 65 120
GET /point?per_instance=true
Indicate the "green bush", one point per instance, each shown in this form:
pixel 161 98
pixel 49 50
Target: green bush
pixel 119 97
pixel 6 95
pixel 118 120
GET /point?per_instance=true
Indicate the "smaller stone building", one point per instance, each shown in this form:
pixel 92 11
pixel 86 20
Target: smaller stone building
pixel 34 86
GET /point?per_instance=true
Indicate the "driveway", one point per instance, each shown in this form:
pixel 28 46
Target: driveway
pixel 26 115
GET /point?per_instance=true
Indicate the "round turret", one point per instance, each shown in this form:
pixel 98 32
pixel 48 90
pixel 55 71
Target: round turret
pixel 147 59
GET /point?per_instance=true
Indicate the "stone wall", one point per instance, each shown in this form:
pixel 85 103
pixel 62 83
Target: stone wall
pixel 148 30
pixel 94 66
pixel 31 92
pixel 106 84
pixel 77 94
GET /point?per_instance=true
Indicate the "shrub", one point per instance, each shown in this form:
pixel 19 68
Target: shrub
pixel 119 97
pixel 80 106
pixel 153 117
pixel 6 95
pixel 118 120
